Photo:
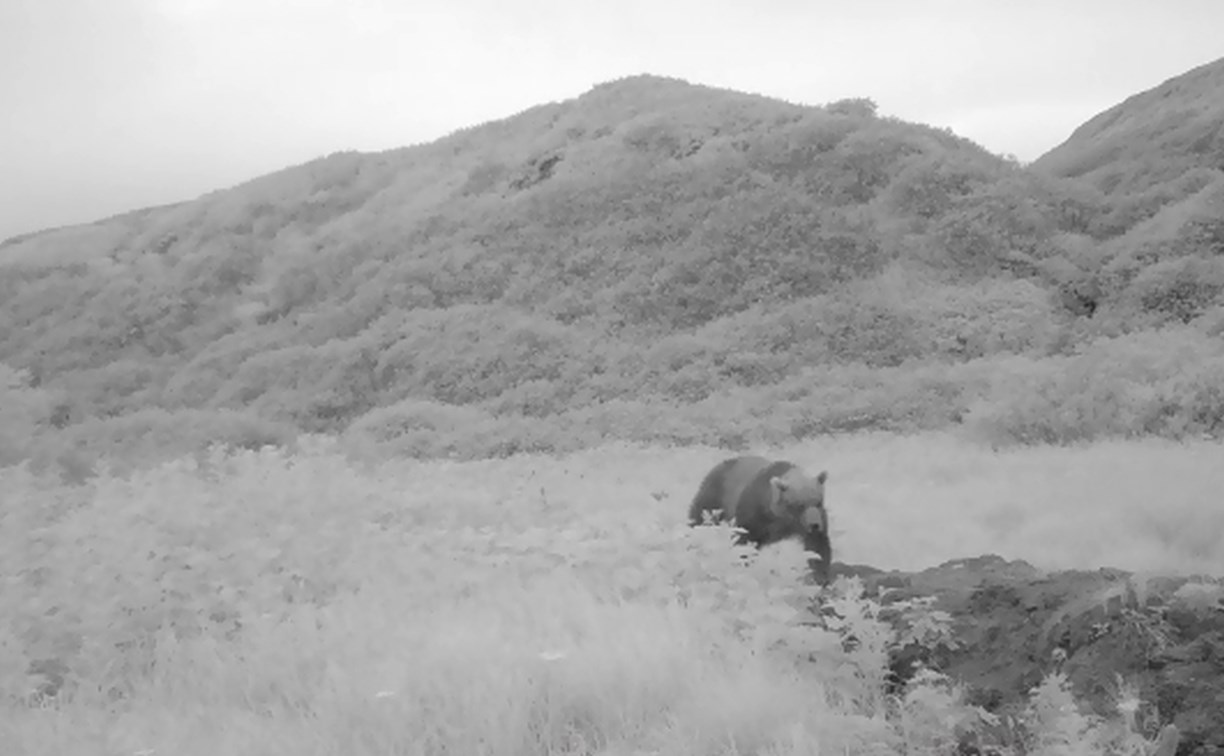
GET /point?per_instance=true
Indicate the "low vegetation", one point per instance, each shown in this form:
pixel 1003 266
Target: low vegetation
pixel 390 453
pixel 269 603
pixel 652 261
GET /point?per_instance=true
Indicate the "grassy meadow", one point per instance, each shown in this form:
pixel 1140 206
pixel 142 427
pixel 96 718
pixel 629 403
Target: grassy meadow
pixel 266 603
pixel 366 456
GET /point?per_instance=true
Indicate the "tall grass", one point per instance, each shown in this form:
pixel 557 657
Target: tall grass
pixel 264 603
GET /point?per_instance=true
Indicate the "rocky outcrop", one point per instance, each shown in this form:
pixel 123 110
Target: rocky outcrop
pixel 1162 638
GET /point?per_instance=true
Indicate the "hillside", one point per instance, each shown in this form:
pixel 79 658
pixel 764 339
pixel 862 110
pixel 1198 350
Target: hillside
pixel 1154 149
pixel 652 260
pixel 1159 158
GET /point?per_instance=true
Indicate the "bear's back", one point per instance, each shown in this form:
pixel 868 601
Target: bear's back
pixel 745 482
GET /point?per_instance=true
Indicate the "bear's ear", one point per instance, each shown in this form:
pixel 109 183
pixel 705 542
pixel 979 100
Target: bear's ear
pixel 822 477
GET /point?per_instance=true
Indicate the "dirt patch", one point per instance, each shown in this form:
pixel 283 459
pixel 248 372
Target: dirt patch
pixel 1109 631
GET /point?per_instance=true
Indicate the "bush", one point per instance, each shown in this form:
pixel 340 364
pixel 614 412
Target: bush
pixel 1181 289
pixel 415 427
pixel 1167 383
pixel 24 411
pixel 534 398
pixel 682 367
pixel 422 429
pixel 149 437
pixel 848 398
pixel 895 317
pixel 471 353
pixel 991 317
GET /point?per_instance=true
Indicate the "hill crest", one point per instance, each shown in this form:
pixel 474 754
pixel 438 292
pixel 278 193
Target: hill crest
pixel 1154 137
pixel 790 268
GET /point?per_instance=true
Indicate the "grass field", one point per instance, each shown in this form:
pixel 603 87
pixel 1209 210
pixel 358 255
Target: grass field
pixel 264 604
pixel 910 502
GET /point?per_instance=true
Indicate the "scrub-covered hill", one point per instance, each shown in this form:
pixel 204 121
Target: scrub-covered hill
pixel 652 260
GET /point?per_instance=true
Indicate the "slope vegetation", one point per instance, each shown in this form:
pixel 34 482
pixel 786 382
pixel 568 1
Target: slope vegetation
pixel 1159 140
pixel 653 260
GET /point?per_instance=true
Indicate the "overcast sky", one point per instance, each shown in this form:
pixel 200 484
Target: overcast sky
pixel 112 105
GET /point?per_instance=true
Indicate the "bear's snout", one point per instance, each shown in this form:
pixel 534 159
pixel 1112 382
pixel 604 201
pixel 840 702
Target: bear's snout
pixel 813 518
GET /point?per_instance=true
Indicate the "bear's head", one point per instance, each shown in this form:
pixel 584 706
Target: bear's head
pixel 800 498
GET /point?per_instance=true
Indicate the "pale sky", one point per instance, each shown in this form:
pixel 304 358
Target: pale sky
pixel 114 105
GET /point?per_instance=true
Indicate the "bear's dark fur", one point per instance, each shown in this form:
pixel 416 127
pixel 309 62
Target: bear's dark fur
pixel 771 501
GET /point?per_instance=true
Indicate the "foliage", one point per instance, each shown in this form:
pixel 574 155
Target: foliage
pixel 652 261
pixel 1166 383
pixel 1180 290
pixel 148 437
pixel 468 608
pixel 24 410
pixel 1150 141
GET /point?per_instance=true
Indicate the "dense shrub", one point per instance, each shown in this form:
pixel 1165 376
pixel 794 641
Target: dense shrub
pixel 24 411
pixel 424 429
pixel 147 437
pixel 1167 383
pixel 652 246
pixel 416 427
pixel 1180 289
pixel 990 317
pixel 470 353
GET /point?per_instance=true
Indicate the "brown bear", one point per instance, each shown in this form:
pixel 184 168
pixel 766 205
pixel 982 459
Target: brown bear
pixel 771 501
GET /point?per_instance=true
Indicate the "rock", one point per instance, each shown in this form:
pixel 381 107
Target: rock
pixel 1014 624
